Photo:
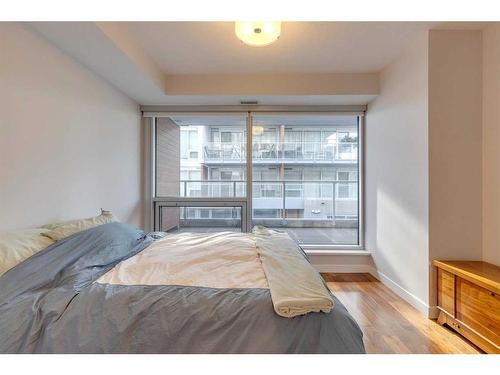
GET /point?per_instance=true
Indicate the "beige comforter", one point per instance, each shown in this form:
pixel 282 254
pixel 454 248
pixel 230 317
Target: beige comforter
pixel 262 259
pixel 212 260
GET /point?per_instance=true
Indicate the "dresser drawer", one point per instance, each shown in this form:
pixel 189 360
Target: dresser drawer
pixel 446 291
pixel 479 309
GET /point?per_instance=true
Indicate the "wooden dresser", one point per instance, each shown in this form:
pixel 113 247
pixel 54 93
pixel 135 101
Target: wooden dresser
pixel 468 297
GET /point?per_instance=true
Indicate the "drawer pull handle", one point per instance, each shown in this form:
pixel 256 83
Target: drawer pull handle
pixel 492 294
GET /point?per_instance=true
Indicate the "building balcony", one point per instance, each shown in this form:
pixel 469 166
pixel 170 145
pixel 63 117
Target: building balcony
pixel 312 203
pixel 287 152
pixel 312 212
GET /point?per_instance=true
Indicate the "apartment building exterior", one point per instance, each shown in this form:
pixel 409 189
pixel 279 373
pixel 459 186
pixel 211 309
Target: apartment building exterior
pixel 302 175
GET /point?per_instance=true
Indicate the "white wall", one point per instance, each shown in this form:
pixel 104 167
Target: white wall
pixel 396 177
pixel 491 144
pixel 424 181
pixel 69 142
pixel 455 147
pixel 455 117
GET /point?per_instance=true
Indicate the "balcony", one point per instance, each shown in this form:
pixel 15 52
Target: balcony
pixel 303 152
pixel 319 204
pixel 311 212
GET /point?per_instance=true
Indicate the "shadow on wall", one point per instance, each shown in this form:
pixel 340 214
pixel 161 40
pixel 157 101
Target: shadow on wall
pixel 396 225
pixel 136 216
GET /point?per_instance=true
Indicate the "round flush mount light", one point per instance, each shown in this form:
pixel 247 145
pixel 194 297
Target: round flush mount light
pixel 257 130
pixel 258 33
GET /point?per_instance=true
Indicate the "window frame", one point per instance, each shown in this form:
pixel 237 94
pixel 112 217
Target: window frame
pixel 178 202
pixel 152 199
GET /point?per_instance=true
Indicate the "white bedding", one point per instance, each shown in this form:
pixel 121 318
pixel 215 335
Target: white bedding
pixel 19 245
pixel 263 259
pixel 218 260
pixel 296 287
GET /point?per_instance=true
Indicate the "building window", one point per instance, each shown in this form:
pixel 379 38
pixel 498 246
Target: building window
pixel 189 144
pixel 226 175
pixel 226 137
pixel 347 185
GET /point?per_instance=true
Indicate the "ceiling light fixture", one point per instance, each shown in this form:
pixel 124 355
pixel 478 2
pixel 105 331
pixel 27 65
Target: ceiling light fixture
pixel 257 130
pixel 258 33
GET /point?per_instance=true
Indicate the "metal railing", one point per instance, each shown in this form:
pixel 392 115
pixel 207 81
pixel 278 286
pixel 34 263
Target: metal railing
pixel 315 199
pixel 286 151
pixel 212 188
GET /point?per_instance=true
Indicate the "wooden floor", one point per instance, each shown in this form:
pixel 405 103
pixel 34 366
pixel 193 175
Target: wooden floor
pixel 389 324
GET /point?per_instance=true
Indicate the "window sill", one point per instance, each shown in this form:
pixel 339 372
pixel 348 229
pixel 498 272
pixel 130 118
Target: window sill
pixel 338 252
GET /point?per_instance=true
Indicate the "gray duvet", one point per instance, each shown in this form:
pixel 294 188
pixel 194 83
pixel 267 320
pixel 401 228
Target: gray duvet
pixel 50 303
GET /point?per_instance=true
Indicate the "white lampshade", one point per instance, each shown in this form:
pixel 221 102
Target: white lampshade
pixel 258 33
pixel 257 130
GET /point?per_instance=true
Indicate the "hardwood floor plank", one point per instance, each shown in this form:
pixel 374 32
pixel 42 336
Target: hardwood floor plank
pixel 390 324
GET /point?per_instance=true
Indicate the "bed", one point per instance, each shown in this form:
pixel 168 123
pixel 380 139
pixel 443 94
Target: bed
pixel 115 289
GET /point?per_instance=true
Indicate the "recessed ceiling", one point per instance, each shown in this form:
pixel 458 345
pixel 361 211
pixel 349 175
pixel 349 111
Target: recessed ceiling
pixel 304 47
pixel 204 63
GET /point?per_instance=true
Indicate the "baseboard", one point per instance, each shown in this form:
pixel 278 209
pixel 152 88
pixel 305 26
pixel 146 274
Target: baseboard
pixel 429 311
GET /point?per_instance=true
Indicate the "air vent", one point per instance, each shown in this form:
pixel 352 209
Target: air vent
pixel 249 102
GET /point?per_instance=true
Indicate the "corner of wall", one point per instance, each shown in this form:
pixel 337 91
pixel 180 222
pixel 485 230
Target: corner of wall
pixel 491 144
pixel 397 208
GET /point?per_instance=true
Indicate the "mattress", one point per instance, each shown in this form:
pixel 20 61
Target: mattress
pixel 103 290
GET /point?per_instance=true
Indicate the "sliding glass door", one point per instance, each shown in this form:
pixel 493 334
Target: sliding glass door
pixel 305 174
pixel 306 177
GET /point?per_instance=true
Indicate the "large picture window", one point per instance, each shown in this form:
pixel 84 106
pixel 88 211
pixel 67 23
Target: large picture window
pixel 305 174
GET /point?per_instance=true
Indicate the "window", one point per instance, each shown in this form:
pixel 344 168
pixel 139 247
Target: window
pixel 346 185
pixel 343 176
pixel 293 136
pixel 189 144
pixel 315 195
pixel 226 175
pixel 215 135
pixel 312 142
pixel 305 173
pixel 347 145
pixel 178 218
pixel 292 147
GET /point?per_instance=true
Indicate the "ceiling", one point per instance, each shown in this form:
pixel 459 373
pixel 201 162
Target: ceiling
pixel 203 63
pixel 304 47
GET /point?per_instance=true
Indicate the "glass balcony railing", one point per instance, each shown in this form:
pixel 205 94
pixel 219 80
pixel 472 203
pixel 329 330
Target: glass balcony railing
pixel 281 152
pixel 212 189
pixel 320 200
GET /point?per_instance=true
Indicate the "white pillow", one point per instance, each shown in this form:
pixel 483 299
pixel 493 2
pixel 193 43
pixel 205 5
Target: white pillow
pixel 20 245
pixel 58 231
